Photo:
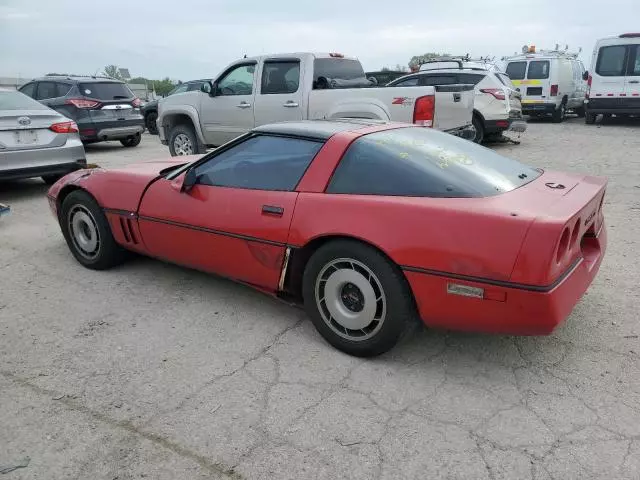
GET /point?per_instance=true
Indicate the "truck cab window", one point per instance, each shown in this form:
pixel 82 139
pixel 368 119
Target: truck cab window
pixel 238 81
pixel 280 77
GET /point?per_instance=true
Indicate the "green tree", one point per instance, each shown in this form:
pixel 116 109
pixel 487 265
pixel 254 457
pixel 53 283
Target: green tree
pixel 112 71
pixel 164 86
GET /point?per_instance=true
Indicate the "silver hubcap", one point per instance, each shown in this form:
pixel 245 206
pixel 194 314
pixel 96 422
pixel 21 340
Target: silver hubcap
pixel 84 231
pixel 350 299
pixel 182 144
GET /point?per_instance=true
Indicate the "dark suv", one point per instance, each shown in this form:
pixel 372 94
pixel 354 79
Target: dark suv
pixel 103 108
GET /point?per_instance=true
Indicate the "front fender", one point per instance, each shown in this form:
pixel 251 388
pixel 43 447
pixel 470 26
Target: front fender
pixel 167 112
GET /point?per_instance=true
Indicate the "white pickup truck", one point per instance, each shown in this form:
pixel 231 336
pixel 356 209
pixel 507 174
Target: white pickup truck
pixel 300 86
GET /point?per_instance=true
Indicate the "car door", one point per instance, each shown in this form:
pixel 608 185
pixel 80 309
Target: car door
pixel 609 76
pixel 280 97
pixel 227 112
pixel 235 221
pixel 632 80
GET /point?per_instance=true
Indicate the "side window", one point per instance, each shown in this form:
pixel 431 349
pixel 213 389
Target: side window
pixel 635 65
pixel 260 163
pixel 442 79
pixel 62 89
pixel 238 81
pixel 46 90
pixel 29 89
pixel 280 77
pixel 611 61
pixel 409 82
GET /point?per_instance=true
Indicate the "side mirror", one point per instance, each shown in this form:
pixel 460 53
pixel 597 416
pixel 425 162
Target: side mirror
pixel 208 88
pixel 185 182
pixel 585 75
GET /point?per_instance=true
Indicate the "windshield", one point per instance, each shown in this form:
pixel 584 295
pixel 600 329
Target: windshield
pixel 420 162
pixel 14 100
pixel 516 70
pixel 106 90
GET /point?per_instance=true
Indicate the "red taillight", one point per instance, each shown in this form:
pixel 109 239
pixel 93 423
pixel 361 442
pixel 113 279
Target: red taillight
pixel 554 91
pixel 424 111
pixel 64 127
pixel 496 92
pixel 136 102
pixel 82 103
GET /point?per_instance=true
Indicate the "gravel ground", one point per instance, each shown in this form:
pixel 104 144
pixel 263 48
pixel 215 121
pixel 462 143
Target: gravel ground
pixel 155 371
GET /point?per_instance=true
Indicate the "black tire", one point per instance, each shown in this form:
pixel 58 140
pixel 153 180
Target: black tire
pixel 559 113
pixel 150 122
pixel 478 124
pixel 107 253
pixel 589 118
pixel 393 299
pixel 132 141
pixel 182 132
pixel 51 179
pixel 579 111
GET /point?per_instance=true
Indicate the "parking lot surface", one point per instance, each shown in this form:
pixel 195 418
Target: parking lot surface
pixel 155 371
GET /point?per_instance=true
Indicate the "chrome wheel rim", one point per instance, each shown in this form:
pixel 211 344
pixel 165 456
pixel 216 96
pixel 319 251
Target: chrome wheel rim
pixel 84 232
pixel 350 299
pixel 182 144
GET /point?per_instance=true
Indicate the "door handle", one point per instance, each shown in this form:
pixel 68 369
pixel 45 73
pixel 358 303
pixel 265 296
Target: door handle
pixel 457 97
pixel 290 104
pixel 243 105
pixel 272 210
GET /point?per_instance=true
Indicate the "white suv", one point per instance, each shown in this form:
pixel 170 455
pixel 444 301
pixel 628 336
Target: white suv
pixel 497 105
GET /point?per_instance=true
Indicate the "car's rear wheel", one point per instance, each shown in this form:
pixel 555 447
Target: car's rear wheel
pixel 478 125
pixel 183 141
pixel 357 299
pixel 132 141
pixel 559 113
pixel 589 118
pixel 86 230
pixel 150 122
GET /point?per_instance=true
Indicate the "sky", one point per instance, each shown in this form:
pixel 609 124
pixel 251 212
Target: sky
pixel 189 39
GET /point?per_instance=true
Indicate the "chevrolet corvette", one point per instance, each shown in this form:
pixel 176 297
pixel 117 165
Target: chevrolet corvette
pixel 369 225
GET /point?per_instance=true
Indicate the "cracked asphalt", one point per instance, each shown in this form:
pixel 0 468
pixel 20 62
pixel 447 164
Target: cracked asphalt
pixel 154 371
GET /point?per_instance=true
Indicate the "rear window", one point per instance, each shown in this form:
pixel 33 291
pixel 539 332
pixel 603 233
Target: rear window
pixel 538 70
pixel 610 61
pixel 14 100
pixel 516 70
pixel 106 90
pixel 337 68
pixel 420 162
pixel 470 78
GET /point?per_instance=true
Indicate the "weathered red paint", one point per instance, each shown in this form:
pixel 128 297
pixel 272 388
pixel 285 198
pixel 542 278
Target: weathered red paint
pixel 506 244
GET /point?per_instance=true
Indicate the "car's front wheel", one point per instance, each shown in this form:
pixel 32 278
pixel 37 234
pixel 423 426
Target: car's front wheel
pixel 86 230
pixel 183 141
pixel 132 141
pixel 478 125
pixel 357 299
pixel 150 122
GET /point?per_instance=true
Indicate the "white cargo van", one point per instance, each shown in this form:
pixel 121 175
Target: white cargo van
pixel 551 82
pixel 613 83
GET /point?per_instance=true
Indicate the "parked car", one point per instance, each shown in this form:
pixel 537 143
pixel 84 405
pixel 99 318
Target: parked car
pixel 550 82
pixel 103 108
pixel 614 79
pixel 36 141
pixel 292 87
pixel 369 224
pixel 496 107
pixel 150 109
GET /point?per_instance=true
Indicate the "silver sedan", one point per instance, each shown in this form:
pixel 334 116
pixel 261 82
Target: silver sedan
pixel 36 141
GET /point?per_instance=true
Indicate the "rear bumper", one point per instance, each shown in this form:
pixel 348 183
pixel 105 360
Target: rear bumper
pixel 511 124
pixel 44 161
pixel 110 130
pixel 529 108
pixel 467 132
pixel 512 310
pixel 613 105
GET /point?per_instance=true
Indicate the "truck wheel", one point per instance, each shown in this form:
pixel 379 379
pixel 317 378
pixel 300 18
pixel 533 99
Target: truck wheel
pixel 183 141
pixel 479 127
pixel 559 113
pixel 589 118
pixel 150 123
pixel 132 141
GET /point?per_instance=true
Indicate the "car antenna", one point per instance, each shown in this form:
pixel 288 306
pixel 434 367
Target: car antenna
pixel 245 55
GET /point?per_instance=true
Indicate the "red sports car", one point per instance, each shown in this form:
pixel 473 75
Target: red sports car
pixel 369 224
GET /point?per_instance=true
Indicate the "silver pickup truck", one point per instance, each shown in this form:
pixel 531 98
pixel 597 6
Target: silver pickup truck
pixel 300 86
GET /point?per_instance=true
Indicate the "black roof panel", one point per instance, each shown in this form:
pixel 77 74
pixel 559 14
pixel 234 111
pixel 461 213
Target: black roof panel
pixel 320 129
